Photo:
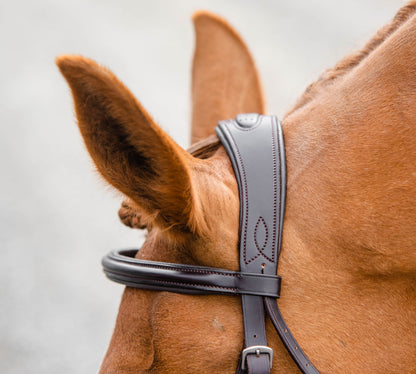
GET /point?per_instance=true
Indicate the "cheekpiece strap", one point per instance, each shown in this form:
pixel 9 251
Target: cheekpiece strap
pixel 255 146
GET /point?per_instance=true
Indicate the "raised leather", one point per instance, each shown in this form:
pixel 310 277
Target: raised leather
pixel 255 146
pixel 121 266
pixel 254 143
pixel 259 165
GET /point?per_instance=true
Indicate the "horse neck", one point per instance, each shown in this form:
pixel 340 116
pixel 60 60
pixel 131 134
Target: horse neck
pixel 351 156
pixel 346 270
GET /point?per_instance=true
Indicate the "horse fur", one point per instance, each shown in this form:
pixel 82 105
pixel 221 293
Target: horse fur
pixel 348 258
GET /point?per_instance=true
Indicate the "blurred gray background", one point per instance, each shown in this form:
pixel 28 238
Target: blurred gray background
pixel 58 218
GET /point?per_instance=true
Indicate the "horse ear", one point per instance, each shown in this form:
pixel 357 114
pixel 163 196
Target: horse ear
pixel 130 151
pixel 225 81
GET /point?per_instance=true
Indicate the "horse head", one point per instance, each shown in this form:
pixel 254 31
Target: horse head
pixel 348 262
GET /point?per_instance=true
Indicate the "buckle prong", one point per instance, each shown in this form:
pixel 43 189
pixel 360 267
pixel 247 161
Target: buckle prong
pixel 256 350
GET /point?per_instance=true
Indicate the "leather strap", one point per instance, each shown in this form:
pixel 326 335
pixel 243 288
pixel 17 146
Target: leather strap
pixel 121 266
pixel 254 144
pixel 287 338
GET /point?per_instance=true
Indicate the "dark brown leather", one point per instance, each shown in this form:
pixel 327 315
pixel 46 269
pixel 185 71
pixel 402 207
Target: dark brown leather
pixel 255 146
pixel 121 266
pixel 288 340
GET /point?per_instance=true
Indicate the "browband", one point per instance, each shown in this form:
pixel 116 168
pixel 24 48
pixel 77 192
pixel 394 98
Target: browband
pixel 255 146
pixel 121 266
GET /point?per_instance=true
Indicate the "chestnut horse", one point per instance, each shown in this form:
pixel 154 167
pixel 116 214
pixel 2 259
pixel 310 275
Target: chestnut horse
pixel 348 259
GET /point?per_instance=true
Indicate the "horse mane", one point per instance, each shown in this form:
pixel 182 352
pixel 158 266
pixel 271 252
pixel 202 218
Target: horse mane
pixel 206 147
pixel 353 60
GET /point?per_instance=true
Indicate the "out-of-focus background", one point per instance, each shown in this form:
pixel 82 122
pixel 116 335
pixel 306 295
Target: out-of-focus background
pixel 57 217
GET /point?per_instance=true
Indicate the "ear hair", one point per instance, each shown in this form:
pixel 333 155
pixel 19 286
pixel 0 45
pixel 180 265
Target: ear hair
pixel 130 150
pixel 225 81
pixel 130 216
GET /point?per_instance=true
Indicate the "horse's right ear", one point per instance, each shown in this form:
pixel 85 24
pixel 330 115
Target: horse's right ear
pixel 225 81
pixel 129 149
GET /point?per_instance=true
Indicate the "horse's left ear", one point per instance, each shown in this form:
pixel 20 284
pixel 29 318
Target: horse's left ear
pixel 130 151
pixel 225 81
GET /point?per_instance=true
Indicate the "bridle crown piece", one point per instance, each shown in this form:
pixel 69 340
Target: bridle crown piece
pixel 255 146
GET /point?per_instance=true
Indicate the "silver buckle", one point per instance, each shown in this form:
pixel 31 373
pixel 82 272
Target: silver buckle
pixel 256 350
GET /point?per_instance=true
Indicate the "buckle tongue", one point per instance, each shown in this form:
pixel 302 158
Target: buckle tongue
pixel 256 350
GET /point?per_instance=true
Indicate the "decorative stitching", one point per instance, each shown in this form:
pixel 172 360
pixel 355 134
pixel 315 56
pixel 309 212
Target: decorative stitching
pixel 244 195
pixel 261 250
pixel 189 270
pixel 192 284
pixel 274 190
pixel 280 203
pixel 120 258
pixel 242 291
pixel 261 219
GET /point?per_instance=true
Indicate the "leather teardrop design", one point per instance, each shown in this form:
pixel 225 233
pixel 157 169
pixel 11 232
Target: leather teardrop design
pixel 261 235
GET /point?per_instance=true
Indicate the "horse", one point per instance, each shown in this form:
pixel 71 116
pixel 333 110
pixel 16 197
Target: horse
pixel 348 260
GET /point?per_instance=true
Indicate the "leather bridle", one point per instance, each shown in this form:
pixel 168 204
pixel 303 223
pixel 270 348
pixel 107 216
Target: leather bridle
pixel 255 146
